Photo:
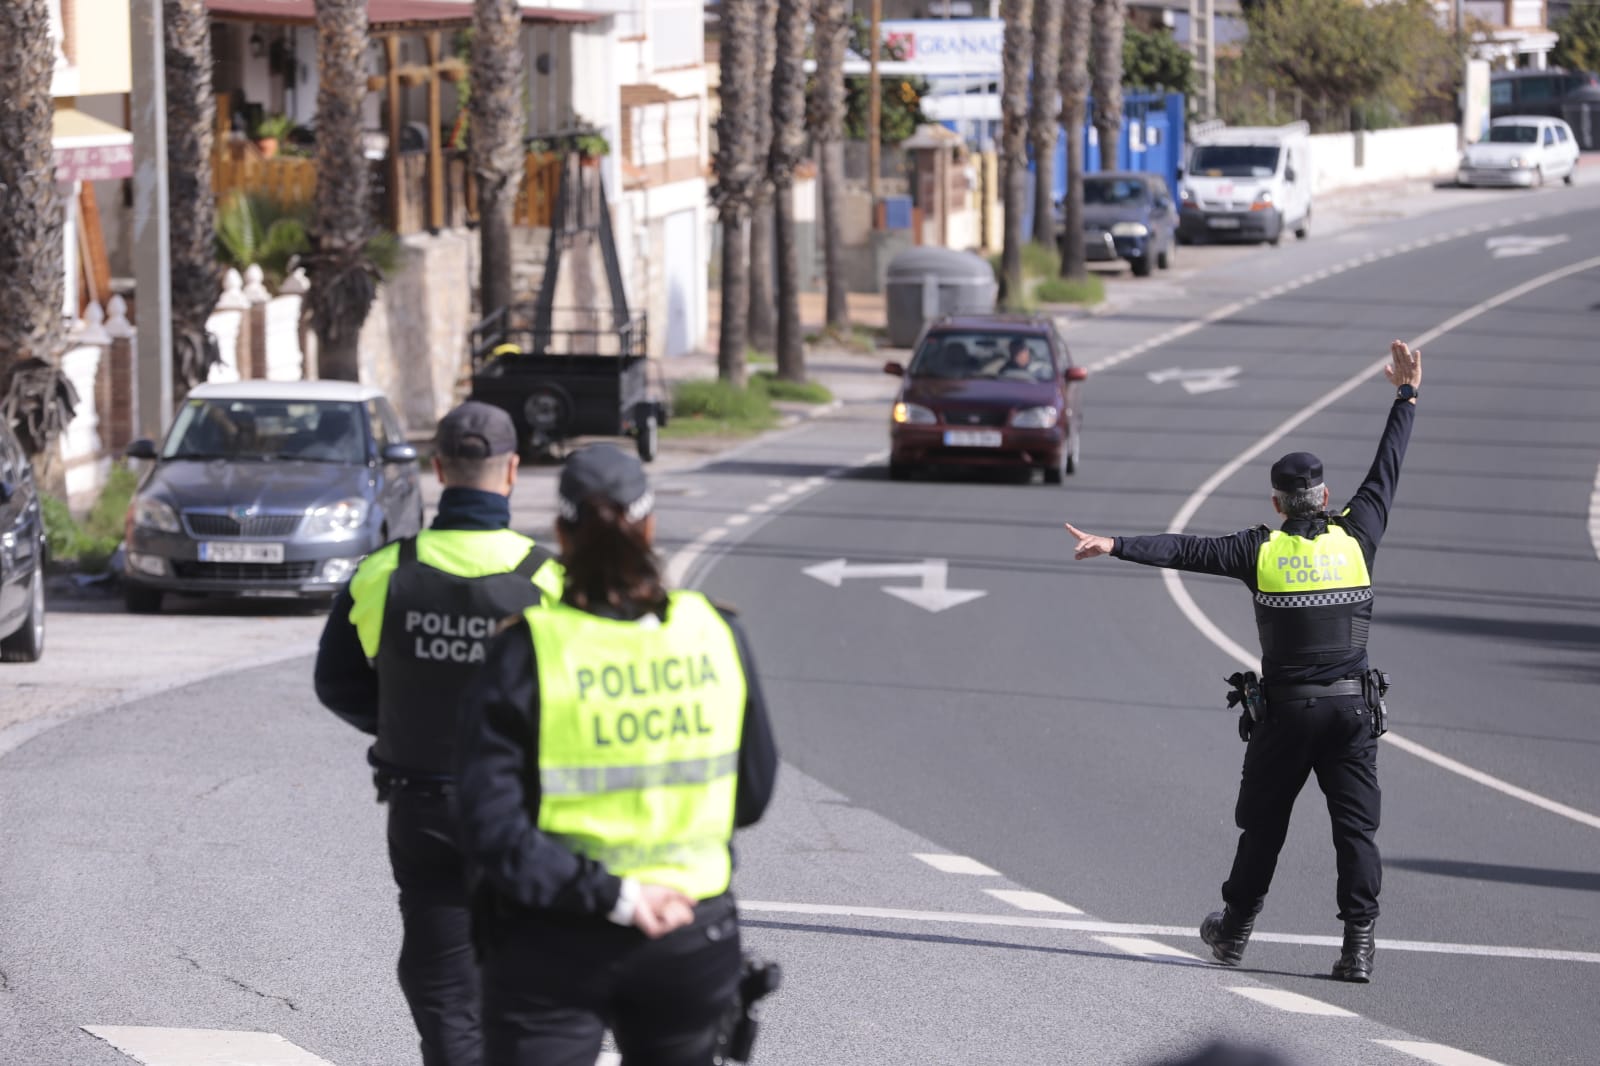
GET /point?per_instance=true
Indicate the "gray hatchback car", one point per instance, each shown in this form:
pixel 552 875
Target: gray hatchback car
pixel 269 489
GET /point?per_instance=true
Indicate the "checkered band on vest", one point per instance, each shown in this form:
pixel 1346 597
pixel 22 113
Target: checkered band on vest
pixel 1334 598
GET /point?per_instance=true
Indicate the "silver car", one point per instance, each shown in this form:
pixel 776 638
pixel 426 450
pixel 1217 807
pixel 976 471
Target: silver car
pixel 268 489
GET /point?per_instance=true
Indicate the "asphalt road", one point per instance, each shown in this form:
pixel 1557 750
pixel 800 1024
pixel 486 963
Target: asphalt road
pixel 211 858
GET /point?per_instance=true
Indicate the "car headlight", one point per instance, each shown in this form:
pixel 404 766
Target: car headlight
pixel 151 513
pixel 1186 194
pixel 1130 229
pixel 1263 201
pixel 913 414
pixel 1519 161
pixel 337 520
pixel 1035 418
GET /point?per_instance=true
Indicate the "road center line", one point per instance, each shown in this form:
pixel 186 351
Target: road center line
pixel 1141 946
pixel 203 1047
pixel 1437 1053
pixel 1031 901
pixel 956 864
pixel 1292 1002
pixel 1173 580
pixel 1594 514
pixel 1090 925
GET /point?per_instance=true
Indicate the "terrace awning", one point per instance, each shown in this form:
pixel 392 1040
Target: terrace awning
pixel 385 14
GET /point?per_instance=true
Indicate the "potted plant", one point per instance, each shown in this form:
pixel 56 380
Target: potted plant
pixel 590 147
pixel 269 131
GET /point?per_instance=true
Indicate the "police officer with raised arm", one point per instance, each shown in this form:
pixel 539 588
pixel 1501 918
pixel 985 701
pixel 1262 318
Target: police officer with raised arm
pixel 610 747
pixel 1317 707
pixel 399 647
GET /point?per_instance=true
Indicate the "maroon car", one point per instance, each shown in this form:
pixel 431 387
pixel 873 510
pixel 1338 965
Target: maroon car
pixel 988 390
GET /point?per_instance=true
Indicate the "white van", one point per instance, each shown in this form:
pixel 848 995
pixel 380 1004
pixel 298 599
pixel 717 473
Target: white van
pixel 1247 183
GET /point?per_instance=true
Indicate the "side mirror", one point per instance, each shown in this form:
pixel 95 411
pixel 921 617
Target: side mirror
pixel 6 492
pixel 140 449
pixel 399 453
pixel 1181 172
pixel 1076 373
pixel 1288 175
pixel 894 369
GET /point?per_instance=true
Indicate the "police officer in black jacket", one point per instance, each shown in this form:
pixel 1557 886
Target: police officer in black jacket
pixel 400 645
pixel 1313 602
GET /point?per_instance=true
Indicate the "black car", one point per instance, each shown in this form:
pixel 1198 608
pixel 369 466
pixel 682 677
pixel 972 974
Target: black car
pixel 1129 215
pixel 22 556
pixel 269 489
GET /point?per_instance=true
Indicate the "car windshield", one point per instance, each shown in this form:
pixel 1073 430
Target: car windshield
pixel 1235 161
pixel 319 432
pixel 1113 191
pixel 1513 134
pixel 984 355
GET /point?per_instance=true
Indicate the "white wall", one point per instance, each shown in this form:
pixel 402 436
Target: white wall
pixel 1383 155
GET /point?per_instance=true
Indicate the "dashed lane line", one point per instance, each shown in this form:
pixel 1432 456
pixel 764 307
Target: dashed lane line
pixel 1438 1054
pixel 1094 926
pixel 1173 580
pixel 956 864
pixel 1146 948
pixel 1594 514
pixel 1032 901
pixel 203 1047
pixel 1293 1002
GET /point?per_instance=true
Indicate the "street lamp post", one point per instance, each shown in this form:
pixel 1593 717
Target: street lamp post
pixel 151 240
pixel 874 107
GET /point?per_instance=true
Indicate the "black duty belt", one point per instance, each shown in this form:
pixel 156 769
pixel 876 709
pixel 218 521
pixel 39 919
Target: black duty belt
pixel 388 783
pixel 1350 686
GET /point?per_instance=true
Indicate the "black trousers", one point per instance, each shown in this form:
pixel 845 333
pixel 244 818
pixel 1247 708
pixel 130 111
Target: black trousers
pixel 1330 736
pixel 438 970
pixel 553 983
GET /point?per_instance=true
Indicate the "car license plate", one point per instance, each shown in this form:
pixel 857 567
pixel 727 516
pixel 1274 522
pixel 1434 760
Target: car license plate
pixel 214 552
pixel 972 438
pixel 1223 223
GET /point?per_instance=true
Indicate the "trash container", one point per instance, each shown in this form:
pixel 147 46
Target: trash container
pixel 923 283
pixel 1582 112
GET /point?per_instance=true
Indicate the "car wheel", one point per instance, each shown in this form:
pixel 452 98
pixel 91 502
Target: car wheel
pixel 1572 175
pixel 27 643
pixel 648 438
pixel 899 472
pixel 1073 459
pixel 1164 260
pixel 140 600
pixel 1304 229
pixel 1141 266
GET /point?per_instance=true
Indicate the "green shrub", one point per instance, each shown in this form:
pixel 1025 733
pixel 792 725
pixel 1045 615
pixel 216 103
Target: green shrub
pixel 715 407
pixel 88 545
pixel 779 389
pixel 1091 290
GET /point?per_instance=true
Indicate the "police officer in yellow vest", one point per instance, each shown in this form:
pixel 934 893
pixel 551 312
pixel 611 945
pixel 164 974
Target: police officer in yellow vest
pixel 610 747
pixel 1312 582
pixel 400 645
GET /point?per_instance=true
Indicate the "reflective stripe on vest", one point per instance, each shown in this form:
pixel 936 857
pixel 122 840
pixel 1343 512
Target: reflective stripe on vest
pixel 1313 598
pixel 639 730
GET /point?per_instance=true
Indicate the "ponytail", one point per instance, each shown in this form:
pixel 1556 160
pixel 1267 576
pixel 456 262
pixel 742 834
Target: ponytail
pixel 609 562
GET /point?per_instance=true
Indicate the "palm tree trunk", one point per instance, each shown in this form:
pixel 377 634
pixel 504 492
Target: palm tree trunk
pixel 788 145
pixel 1109 19
pixel 32 266
pixel 497 125
pixel 736 174
pixel 343 283
pixel 762 324
pixel 1044 116
pixel 1018 16
pixel 831 34
pixel 192 207
pixel 1074 102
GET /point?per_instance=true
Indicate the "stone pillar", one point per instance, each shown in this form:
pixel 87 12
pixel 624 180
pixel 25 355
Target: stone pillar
pixel 255 322
pixel 117 374
pixel 233 299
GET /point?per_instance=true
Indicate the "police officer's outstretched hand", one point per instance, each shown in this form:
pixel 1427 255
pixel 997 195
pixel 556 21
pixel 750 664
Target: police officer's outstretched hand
pixel 1407 368
pixel 661 910
pixel 1089 545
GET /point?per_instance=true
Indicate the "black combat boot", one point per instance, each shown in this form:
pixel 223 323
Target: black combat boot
pixel 1227 932
pixel 1355 962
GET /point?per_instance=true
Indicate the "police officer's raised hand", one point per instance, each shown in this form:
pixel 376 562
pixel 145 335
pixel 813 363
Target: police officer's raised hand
pixel 660 910
pixel 1089 545
pixel 1407 367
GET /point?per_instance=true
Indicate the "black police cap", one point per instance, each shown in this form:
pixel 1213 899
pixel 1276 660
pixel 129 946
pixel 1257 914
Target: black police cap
pixel 475 431
pixel 607 471
pixel 1296 471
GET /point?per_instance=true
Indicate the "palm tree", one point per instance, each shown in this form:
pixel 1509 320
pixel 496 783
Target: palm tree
pixel 762 325
pixel 1110 16
pixel 343 278
pixel 1074 84
pixel 1018 15
pixel 831 31
pixel 788 146
pixel 32 267
pixel 192 207
pixel 736 173
pixel 497 125
pixel 1043 117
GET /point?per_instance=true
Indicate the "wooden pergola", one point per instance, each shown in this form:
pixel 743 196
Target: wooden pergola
pixel 388 21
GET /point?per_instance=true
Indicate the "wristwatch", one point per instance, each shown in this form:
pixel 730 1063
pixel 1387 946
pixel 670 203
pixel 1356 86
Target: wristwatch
pixel 1406 392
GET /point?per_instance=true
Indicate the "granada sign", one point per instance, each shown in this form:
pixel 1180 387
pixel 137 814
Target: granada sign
pixel 104 163
pixel 948 46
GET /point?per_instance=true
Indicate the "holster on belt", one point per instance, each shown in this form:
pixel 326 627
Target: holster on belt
pixel 1245 693
pixel 1374 686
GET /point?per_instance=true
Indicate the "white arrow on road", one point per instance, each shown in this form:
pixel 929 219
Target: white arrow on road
pixel 1197 381
pixel 1514 246
pixel 933 595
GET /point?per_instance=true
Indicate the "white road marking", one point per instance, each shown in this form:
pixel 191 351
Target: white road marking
pixel 1135 945
pixel 1032 901
pixel 932 595
pixel 1197 381
pixel 737 520
pixel 956 864
pixel 1438 1053
pixel 1594 514
pixel 1292 1002
pixel 1091 925
pixel 203 1047
pixel 1173 580
pixel 685 556
pixel 608 1058
pixel 1515 246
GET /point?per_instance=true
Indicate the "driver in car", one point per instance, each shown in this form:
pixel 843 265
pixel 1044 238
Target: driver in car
pixel 1019 360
